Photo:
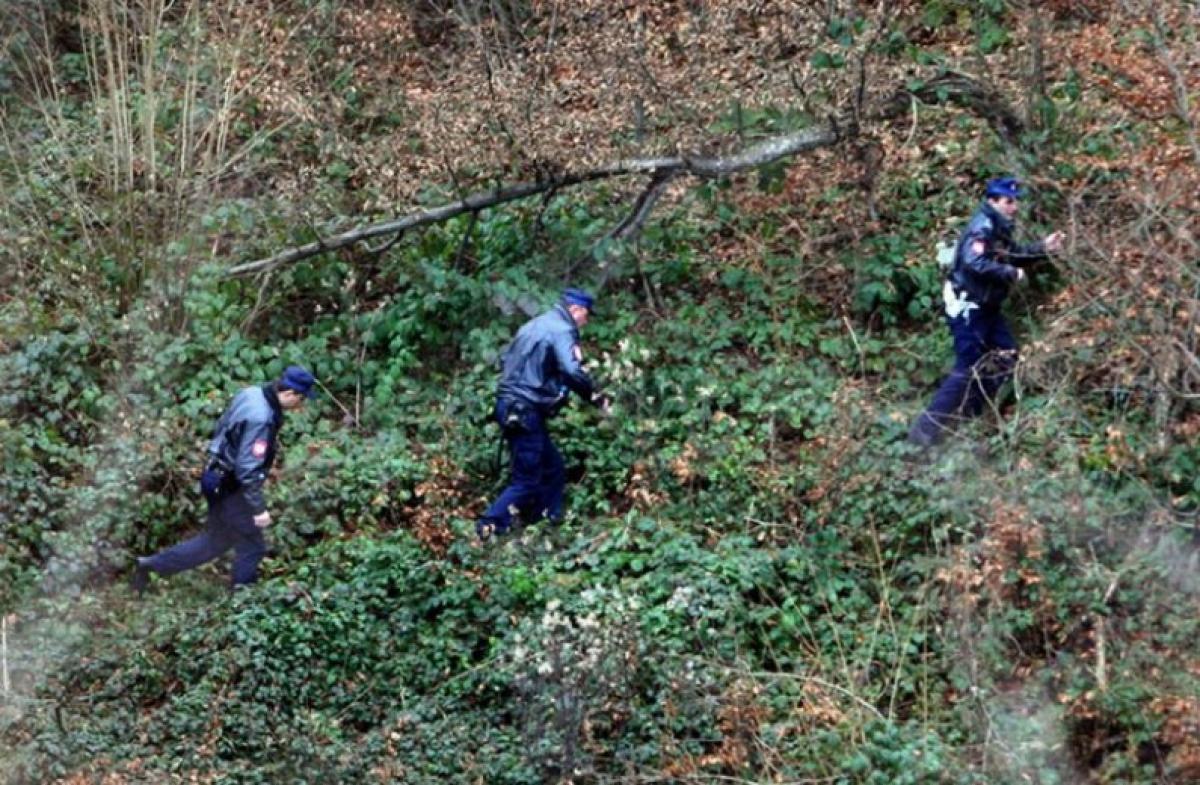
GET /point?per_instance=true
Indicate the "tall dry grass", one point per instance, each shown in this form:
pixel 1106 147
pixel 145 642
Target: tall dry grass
pixel 111 154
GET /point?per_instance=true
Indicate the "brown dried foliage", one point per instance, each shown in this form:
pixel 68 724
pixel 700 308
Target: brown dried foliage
pixel 1130 304
pixel 740 717
pixel 578 83
pixel 443 497
pixel 1181 733
pixel 1000 568
pixel 641 492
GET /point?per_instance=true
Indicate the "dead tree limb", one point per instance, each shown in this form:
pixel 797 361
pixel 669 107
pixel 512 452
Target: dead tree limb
pixel 472 203
pixel 466 241
pixel 755 155
pixel 956 88
pixel 961 90
pixel 631 226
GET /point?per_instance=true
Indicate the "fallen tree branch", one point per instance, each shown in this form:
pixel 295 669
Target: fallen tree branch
pixel 658 167
pixel 630 227
pixel 957 88
pixel 961 90
pixel 466 241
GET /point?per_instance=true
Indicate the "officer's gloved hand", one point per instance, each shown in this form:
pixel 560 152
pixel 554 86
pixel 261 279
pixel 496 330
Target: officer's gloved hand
pixel 262 520
pixel 1019 276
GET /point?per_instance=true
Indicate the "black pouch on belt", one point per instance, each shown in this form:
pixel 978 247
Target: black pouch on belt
pixel 215 482
pixel 514 418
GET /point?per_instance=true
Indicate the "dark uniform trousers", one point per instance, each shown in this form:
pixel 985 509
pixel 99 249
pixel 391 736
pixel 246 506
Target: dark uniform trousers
pixel 539 477
pixel 230 524
pixel 985 354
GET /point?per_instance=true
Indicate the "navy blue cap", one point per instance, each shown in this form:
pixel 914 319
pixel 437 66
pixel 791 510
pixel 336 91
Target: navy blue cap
pixel 298 378
pixel 578 297
pixel 1004 186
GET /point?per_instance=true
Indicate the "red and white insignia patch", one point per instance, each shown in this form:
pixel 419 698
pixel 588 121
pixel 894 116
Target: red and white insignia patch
pixel 575 350
pixel 259 448
pixel 978 247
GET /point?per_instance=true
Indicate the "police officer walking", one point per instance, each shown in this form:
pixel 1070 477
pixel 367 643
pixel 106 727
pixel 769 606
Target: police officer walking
pixel 987 263
pixel 538 370
pixel 240 456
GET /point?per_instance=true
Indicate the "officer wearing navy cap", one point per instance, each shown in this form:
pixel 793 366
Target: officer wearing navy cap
pixel 987 263
pixel 240 456
pixel 539 369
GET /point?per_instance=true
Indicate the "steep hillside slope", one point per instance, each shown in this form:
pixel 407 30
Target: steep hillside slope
pixel 757 581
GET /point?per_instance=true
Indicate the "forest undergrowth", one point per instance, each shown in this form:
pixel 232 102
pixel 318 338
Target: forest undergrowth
pixel 757 579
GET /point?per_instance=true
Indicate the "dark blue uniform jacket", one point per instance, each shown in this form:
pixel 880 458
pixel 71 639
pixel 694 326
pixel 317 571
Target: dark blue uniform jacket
pixel 987 258
pixel 543 362
pixel 244 442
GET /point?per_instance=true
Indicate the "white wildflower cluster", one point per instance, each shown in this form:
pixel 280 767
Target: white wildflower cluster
pixel 626 364
pixel 590 640
pixel 688 602
pixel 573 665
pixel 682 599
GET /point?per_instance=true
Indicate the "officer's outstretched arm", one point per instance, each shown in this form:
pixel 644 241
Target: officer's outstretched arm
pixel 978 258
pixel 251 463
pixel 566 354
pixel 1028 253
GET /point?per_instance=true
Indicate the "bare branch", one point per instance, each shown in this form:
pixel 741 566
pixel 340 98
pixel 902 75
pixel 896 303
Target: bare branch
pixel 472 203
pixel 385 246
pixel 756 155
pixel 965 91
pixel 762 153
pixel 631 226
pixel 953 87
pixel 466 241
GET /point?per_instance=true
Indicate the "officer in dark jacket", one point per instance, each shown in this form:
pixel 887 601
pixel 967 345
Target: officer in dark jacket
pixel 987 263
pixel 538 370
pixel 240 456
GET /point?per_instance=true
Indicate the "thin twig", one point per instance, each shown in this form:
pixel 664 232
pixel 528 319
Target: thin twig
pixel 862 358
pixel 384 247
pixel 4 655
pixel 821 682
pixel 258 301
pixel 335 399
pixel 362 353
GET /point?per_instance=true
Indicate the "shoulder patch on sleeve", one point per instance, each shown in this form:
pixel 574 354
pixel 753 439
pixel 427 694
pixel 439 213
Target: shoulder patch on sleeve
pixel 259 448
pixel 978 247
